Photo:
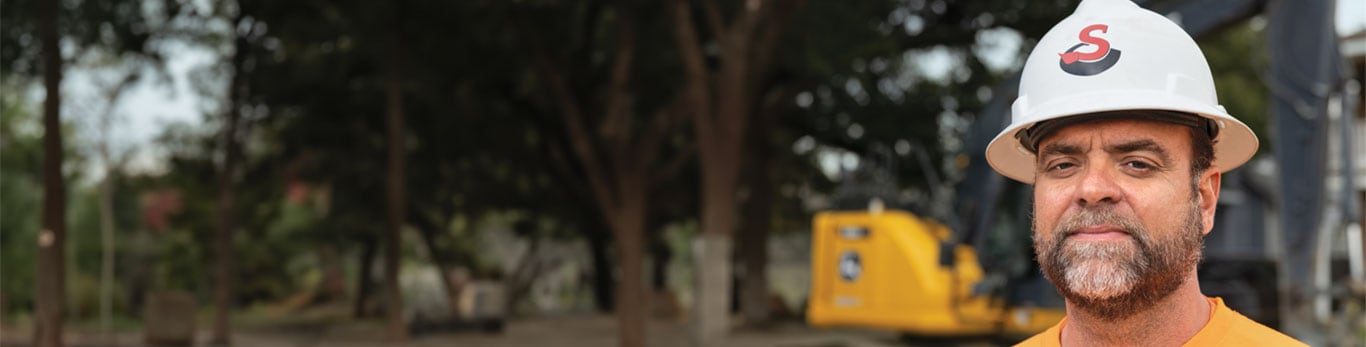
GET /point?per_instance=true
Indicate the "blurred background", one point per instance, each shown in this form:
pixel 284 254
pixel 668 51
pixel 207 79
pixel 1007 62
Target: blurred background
pixel 597 173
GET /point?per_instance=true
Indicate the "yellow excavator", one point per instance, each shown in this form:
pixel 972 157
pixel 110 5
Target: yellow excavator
pixel 876 264
pixel 883 269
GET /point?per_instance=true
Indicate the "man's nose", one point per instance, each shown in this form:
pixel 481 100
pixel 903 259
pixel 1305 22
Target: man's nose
pixel 1098 187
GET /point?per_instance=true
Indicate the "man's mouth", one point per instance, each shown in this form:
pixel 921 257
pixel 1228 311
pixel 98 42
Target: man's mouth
pixel 1101 232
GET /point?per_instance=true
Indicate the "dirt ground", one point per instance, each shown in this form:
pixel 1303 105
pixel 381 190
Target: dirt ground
pixel 566 331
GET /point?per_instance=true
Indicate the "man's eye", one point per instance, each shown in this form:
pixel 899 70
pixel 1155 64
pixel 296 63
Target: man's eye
pixel 1062 166
pixel 1138 165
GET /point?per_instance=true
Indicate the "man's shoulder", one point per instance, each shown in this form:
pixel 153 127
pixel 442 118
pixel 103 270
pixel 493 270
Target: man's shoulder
pixel 1243 331
pixel 1047 338
pixel 1038 340
pixel 1247 332
pixel 1226 328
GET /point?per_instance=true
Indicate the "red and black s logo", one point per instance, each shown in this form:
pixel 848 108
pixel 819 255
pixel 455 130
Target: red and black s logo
pixel 1095 62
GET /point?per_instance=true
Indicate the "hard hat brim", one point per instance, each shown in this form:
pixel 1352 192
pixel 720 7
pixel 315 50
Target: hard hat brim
pixel 1234 146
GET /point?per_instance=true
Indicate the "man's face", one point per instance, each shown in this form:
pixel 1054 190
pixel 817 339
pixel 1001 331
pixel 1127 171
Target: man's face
pixel 1118 221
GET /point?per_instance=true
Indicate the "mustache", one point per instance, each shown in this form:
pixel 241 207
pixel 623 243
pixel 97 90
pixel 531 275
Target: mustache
pixel 1092 216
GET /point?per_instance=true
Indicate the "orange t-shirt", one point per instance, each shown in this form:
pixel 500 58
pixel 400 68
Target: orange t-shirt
pixel 1225 328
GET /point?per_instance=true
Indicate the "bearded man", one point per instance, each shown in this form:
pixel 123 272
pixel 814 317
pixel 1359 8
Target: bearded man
pixel 1118 128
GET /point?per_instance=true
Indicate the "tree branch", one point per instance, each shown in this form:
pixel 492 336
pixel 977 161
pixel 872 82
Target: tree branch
pixel 649 142
pixel 616 127
pixel 714 19
pixel 695 71
pixel 767 42
pixel 745 24
pixel 564 171
pixel 778 102
pixel 672 166
pixel 580 141
pixel 584 37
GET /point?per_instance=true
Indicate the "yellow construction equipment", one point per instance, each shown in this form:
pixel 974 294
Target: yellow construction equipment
pixel 883 269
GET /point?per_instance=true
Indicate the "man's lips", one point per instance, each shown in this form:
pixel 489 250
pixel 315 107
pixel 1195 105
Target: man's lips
pixel 1098 232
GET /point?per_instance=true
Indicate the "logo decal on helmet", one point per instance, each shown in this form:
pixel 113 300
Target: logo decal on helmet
pixel 1095 62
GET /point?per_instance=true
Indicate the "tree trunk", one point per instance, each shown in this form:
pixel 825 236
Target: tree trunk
pixel 717 125
pixel 660 256
pixel 223 236
pixel 713 258
pixel 721 101
pixel 518 283
pixel 106 241
pixel 604 282
pixel 107 211
pixel 393 312
pixel 49 294
pixel 427 229
pixel 618 163
pixel 753 253
pixel 632 302
pixel 364 282
pixel 334 280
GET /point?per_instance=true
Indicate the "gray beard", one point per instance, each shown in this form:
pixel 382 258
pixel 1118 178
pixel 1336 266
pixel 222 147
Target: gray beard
pixel 1114 280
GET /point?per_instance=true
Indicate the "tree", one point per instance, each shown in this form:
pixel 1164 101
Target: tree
pixel 399 66
pixel 721 104
pixel 618 131
pixel 760 181
pixel 107 223
pixel 116 28
pixel 345 54
pixel 51 289
pixel 394 187
pixel 325 103
pixel 231 149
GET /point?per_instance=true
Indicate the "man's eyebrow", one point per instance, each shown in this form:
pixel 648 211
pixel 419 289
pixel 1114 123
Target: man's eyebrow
pixel 1060 149
pixel 1056 149
pixel 1140 145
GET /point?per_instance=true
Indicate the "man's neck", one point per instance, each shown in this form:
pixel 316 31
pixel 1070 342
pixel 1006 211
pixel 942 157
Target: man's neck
pixel 1168 322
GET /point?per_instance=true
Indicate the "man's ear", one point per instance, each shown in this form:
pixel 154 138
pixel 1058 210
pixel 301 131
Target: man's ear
pixel 1208 188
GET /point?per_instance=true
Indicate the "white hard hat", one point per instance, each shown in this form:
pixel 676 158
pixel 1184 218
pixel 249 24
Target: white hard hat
pixel 1111 55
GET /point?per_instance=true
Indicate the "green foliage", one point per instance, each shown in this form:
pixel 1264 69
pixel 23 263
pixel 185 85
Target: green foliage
pixel 113 27
pixel 21 155
pixel 270 234
pixel 20 194
pixel 867 90
pixel 118 29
